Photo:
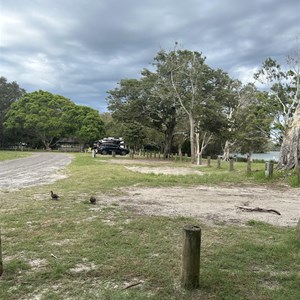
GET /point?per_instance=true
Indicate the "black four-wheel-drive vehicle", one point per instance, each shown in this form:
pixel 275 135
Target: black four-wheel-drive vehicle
pixel 109 148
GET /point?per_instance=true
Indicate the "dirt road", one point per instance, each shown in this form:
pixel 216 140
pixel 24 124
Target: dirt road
pixel 40 168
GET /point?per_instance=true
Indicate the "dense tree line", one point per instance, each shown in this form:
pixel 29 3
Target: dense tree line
pixel 179 104
pixel 42 118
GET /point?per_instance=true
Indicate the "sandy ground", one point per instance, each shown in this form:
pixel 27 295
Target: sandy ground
pixel 211 205
pixel 216 205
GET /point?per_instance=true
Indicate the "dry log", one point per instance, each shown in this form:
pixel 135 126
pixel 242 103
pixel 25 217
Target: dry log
pixel 246 208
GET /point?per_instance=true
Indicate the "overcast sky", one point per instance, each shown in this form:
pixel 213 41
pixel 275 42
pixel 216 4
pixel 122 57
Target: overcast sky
pixel 82 48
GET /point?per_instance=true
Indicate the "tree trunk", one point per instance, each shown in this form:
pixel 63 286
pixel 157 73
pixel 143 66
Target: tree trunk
pixel 192 138
pixel 226 153
pixel 171 124
pixel 290 147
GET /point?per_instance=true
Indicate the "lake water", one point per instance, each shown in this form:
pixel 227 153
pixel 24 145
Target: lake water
pixel 272 155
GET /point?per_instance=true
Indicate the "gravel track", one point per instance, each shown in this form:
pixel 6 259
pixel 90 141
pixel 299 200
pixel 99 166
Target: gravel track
pixel 40 168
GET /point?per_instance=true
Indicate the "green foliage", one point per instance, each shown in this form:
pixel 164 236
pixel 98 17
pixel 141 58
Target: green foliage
pixel 253 121
pixel 89 125
pixel 283 84
pixel 48 118
pixel 181 93
pixel 9 93
pixel 41 115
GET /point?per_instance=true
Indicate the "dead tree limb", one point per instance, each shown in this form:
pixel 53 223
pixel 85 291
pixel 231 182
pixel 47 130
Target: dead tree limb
pixel 132 285
pixel 246 208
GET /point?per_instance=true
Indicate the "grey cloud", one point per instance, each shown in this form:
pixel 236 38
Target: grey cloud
pixel 80 49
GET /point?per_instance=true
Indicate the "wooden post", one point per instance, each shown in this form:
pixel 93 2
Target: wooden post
pixel 208 161
pixel 298 230
pixel 131 154
pixel 113 153
pixel 186 157
pixel 1 262
pixel 231 164
pixel 191 257
pixel 269 166
pixel 219 162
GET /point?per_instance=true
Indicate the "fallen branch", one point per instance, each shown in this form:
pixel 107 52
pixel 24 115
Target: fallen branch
pixel 132 284
pixel 246 208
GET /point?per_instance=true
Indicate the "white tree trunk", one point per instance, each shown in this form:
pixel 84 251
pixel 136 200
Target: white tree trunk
pixel 226 151
pixel 290 147
pixel 192 138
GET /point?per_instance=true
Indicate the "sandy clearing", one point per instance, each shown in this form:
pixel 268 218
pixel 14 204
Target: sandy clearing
pixel 215 205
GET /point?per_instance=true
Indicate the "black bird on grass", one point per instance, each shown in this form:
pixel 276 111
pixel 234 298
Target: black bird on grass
pixel 93 200
pixel 54 196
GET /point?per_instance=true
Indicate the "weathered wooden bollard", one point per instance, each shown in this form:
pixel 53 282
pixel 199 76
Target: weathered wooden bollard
pixel 1 262
pixel 298 230
pixel 186 157
pixel 219 162
pixel 191 257
pixel 113 153
pixel 269 166
pixel 231 164
pixel 208 161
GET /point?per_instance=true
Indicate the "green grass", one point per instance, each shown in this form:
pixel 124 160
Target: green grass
pixel 71 250
pixel 6 155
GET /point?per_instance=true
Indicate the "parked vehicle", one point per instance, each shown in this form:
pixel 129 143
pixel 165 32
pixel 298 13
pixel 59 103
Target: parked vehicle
pixel 106 148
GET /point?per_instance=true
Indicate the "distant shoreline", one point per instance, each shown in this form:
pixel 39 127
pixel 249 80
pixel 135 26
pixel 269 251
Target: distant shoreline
pixel 267 156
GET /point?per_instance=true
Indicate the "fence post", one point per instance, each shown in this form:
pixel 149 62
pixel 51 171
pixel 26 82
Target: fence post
pixel 1 262
pixel 298 230
pixel 208 161
pixel 219 162
pixel 269 166
pixel 131 154
pixel 191 257
pixel 231 164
